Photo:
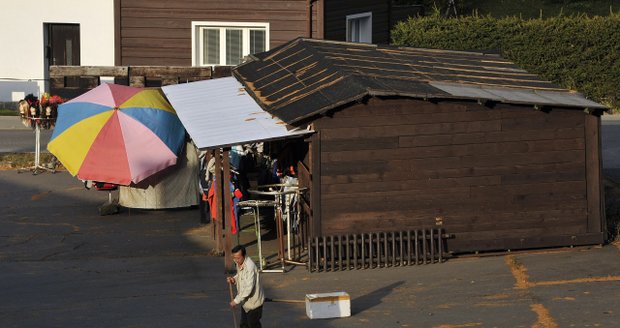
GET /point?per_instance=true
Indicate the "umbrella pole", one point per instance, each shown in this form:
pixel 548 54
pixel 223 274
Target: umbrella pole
pixel 232 309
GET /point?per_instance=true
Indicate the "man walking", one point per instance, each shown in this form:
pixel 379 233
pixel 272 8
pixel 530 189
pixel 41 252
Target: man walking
pixel 250 294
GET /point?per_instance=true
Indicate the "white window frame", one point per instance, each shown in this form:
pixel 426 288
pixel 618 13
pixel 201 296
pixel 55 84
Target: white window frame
pixel 367 31
pixel 197 40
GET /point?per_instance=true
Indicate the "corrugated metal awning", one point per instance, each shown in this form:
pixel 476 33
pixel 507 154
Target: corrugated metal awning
pixel 219 113
pixel 518 95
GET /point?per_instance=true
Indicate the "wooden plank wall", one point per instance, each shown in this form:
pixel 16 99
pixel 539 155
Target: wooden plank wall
pixel 335 13
pixel 71 81
pixel 158 32
pixel 304 175
pixel 494 177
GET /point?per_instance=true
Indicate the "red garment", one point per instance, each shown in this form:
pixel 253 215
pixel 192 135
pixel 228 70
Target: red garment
pixel 237 194
pixel 104 186
pixel 212 199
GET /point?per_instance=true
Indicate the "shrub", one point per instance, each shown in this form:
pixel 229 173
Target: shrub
pixel 577 52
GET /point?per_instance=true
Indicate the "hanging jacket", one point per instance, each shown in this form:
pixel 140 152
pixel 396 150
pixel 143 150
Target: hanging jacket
pixel 236 195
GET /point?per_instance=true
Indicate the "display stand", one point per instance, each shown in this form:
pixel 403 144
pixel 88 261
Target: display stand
pixel 37 167
pixel 284 255
pixel 254 205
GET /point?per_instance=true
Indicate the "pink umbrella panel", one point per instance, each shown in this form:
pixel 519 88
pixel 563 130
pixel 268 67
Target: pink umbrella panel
pixel 117 134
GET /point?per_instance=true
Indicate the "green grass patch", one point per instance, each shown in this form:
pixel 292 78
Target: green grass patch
pixel 8 112
pixel 10 161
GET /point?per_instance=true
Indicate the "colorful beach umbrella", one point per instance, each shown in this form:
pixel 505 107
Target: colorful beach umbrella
pixel 117 134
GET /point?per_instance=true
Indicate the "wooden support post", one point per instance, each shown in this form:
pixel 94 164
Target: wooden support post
pixel 218 203
pixel 226 191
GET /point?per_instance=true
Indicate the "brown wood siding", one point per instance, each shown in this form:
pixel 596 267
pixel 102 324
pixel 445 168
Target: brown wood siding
pixel 158 32
pixel 593 164
pixel 482 174
pixel 336 17
pixel 315 191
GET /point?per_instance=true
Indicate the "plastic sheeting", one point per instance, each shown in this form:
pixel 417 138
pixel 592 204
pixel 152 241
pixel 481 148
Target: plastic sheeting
pixel 219 112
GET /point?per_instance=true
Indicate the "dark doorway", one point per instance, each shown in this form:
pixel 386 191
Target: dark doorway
pixel 63 44
pixel 62 47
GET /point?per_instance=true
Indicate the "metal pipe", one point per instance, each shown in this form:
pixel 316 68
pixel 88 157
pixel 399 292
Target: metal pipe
pixel 417 248
pixel 310 255
pixel 287 212
pixel 340 257
pixel 331 249
pixel 408 247
pixel 432 246
pixel 355 251
pixel 309 18
pixel 440 237
pixel 295 262
pixel 393 235
pixel 386 259
pixel 347 251
pixel 325 253
pixel 401 247
pixel 378 249
pixel 318 257
pixel 424 246
pixel 259 238
pixel 275 300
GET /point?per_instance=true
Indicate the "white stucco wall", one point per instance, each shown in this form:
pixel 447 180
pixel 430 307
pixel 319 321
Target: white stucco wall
pixel 22 39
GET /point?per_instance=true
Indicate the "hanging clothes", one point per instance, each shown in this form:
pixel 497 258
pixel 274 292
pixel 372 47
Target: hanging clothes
pixel 236 196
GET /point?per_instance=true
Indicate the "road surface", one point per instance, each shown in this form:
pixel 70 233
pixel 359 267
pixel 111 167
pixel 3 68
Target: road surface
pixel 63 265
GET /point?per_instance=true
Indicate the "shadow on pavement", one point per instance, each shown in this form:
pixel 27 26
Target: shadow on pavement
pixel 368 301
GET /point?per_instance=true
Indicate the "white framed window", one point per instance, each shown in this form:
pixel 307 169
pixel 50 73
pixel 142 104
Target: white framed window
pixel 359 27
pixel 226 43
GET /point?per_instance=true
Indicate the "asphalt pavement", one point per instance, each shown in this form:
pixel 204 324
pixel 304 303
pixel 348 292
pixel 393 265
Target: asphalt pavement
pixel 63 265
pixel 15 137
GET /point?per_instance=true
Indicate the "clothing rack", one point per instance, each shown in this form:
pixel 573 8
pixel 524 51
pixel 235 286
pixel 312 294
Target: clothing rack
pixel 279 192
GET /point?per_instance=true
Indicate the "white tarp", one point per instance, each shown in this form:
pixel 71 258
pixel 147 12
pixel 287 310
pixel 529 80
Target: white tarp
pixel 175 186
pixel 219 112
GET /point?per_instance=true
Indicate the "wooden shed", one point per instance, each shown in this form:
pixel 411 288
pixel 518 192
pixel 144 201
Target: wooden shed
pixel 410 140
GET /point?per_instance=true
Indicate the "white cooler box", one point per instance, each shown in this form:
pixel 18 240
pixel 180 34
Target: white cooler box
pixel 328 305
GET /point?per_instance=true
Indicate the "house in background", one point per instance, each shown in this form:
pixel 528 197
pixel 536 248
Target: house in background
pixel 169 33
pixel 161 42
pixel 219 33
pixel 37 34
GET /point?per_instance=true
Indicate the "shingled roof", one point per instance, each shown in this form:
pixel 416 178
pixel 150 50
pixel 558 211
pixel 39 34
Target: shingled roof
pixel 306 77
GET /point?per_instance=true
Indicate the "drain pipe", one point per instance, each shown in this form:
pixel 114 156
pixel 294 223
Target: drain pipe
pixel 309 18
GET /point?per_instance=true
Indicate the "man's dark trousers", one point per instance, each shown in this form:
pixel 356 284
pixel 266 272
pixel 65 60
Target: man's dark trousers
pixel 251 319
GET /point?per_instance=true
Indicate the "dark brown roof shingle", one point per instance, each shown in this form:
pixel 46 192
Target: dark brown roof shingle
pixel 306 77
